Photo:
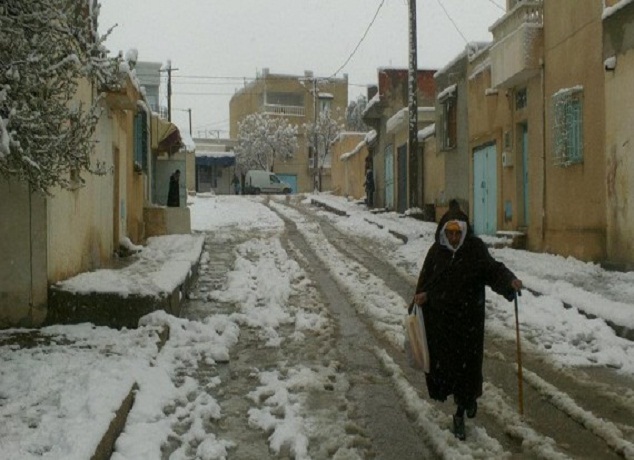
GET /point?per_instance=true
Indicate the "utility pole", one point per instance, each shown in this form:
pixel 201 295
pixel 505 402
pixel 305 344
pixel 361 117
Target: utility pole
pixel 189 111
pixel 317 173
pixel 169 70
pixel 413 108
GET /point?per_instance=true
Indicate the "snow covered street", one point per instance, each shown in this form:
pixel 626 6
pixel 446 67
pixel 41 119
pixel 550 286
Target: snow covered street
pixel 290 346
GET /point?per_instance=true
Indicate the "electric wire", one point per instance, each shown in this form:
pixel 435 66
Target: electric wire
pixel 452 21
pixel 498 5
pixel 354 51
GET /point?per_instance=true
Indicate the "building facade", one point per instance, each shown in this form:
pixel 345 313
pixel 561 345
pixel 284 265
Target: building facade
pixel 299 99
pixel 618 66
pixel 385 101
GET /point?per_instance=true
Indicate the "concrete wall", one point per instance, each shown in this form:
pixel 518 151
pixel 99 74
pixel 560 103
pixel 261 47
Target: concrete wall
pixel 575 203
pixel 23 283
pixel 433 173
pixel 167 221
pixel 348 175
pixel 79 221
pixel 619 123
pixel 458 159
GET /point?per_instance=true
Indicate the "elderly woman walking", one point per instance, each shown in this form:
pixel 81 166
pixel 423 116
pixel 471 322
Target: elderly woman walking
pixel 450 289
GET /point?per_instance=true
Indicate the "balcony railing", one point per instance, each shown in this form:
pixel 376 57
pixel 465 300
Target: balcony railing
pixel 517 44
pixel 284 110
pixel 524 12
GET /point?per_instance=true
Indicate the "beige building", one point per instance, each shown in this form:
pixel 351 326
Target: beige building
pixel 618 65
pixel 350 153
pixel 575 159
pixel 299 99
pixel 45 239
pixel 49 238
pixel 389 154
pixel 397 135
pixel 535 104
pixel 434 172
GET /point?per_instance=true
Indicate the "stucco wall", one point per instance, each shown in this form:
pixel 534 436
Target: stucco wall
pixel 23 284
pixel 347 175
pixel 620 160
pixel 80 220
pixel 575 204
pixel 434 172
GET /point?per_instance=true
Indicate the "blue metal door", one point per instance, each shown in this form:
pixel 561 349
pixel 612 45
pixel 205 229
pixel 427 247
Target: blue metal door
pixel 402 178
pixel 290 179
pixel 485 190
pixel 389 177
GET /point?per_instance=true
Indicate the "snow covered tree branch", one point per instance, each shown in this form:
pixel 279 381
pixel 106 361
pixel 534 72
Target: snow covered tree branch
pixel 354 115
pixel 47 49
pixel 320 136
pixel 262 139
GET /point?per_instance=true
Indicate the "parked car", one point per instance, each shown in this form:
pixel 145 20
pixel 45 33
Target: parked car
pixel 256 182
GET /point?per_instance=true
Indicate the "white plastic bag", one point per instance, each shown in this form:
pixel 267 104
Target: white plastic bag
pixel 416 340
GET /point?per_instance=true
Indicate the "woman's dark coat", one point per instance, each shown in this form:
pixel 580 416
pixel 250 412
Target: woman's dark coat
pixel 454 312
pixel 173 194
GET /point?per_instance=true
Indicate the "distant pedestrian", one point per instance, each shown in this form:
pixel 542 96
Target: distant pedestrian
pixel 173 195
pixel 451 291
pixel 369 187
pixel 236 184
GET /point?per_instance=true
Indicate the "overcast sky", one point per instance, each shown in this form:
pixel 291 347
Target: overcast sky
pixel 227 42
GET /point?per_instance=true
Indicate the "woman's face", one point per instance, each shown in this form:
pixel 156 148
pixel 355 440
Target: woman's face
pixel 453 237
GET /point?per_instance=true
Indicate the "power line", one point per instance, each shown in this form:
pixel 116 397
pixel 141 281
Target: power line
pixel 452 21
pixel 360 41
pixel 210 77
pixel 498 5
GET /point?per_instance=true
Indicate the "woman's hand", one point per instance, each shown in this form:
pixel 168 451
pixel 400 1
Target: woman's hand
pixel 420 298
pixel 517 285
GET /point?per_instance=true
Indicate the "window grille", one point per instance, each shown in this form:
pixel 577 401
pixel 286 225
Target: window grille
pixel 449 123
pixel 140 141
pixel 568 127
pixel 521 99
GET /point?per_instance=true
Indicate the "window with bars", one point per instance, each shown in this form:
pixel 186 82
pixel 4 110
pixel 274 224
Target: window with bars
pixel 521 99
pixel 140 141
pixel 449 123
pixel 568 127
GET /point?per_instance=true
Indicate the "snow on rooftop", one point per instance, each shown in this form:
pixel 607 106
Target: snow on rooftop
pixel 610 10
pixel 215 154
pixel 427 132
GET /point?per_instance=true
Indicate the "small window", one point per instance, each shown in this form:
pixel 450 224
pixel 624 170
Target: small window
pixel 568 127
pixel 449 123
pixel 325 105
pixel 521 99
pixel 140 141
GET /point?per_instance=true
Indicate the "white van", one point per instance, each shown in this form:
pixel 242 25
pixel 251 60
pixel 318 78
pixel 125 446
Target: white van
pixel 256 182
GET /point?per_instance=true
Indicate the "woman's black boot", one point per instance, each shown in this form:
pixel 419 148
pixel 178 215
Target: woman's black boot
pixel 458 427
pixel 472 409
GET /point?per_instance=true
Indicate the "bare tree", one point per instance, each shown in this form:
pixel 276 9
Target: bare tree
pixel 47 48
pixel 354 115
pixel 262 139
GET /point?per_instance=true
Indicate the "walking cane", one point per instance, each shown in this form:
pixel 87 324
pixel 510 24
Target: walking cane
pixel 519 358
